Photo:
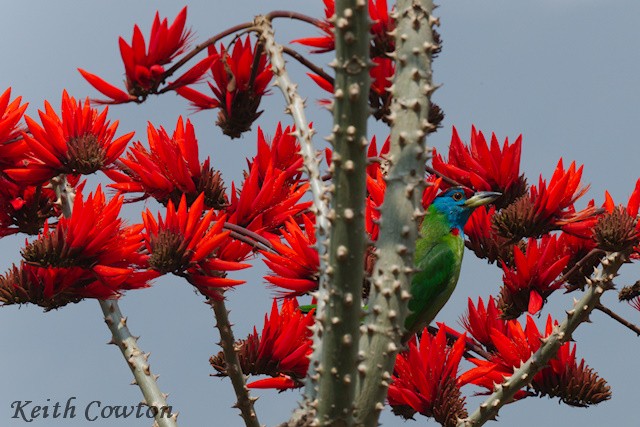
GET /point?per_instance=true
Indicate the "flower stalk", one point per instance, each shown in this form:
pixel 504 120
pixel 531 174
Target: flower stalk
pixel 137 360
pixel 412 88
pixel 600 281
pixel 233 368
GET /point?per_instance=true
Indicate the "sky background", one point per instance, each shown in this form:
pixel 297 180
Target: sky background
pixel 564 74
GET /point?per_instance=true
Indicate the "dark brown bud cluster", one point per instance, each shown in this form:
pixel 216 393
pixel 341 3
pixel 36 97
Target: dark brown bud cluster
pixel 616 231
pixel 579 385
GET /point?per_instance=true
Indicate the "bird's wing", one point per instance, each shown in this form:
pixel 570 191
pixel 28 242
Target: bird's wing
pixel 432 285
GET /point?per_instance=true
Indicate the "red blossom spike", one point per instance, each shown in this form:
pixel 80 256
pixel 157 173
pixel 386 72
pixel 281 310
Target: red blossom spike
pixel 81 141
pixel 295 264
pixel 485 167
pixel 575 384
pixel 12 147
pixel 548 207
pixel 145 65
pixel 483 239
pixel 281 350
pixel 480 320
pixel 239 82
pixel 169 169
pixel 24 209
pixel 88 255
pixel 187 242
pixel 531 279
pixel 271 190
pixel 618 229
pixel 424 379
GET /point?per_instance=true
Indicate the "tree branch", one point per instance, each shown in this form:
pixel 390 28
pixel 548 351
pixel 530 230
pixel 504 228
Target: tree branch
pixel 234 371
pixel 618 318
pixel 600 281
pixel 409 117
pixel 304 134
pixel 137 360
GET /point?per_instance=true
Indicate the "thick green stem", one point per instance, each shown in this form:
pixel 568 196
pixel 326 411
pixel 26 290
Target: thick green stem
pixel 334 373
pixel 137 360
pixel 600 281
pixel 234 371
pixel 412 88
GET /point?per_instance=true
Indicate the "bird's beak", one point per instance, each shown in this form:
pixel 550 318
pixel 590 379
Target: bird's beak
pixel 481 198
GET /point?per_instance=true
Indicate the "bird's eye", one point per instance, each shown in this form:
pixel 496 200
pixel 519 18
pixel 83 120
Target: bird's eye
pixel 457 196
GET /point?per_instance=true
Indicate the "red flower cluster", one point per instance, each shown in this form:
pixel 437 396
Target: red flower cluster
pixel 11 145
pixel 296 263
pixel 575 384
pixel 618 229
pixel 531 279
pixel 424 379
pixel 548 207
pixel 240 79
pixel 186 243
pixel 91 253
pixel 169 169
pixel 271 191
pixel 145 65
pixel 281 350
pixel 483 167
pixel 81 142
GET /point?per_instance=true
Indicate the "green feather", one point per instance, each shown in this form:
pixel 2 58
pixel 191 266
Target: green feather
pixel 438 258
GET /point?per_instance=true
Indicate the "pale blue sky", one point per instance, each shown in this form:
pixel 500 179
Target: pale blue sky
pixel 565 74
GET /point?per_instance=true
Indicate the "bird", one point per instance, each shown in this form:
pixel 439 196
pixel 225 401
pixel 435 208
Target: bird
pixel 438 254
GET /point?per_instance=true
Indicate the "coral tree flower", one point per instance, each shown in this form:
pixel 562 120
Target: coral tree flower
pixel 281 350
pixel 485 167
pixel 531 279
pixel 483 239
pixel 186 243
pixel 169 169
pixel 12 148
pixel 81 141
pixel 425 379
pixel 240 79
pixel 618 229
pixel 575 384
pixel 294 264
pixel 145 65
pixel 88 255
pixel 548 206
pixel 271 191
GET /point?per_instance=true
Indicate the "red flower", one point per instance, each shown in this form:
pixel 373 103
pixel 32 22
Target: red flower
pixel 240 80
pixel 532 277
pixel 381 40
pixel 296 263
pixel 618 228
pixel 271 190
pixel 169 169
pixel 483 167
pixel 12 148
pixel 186 243
pixel 547 207
pixel 79 143
pixel 281 350
pixel 91 254
pixel 424 379
pixel 481 320
pixel 24 209
pixel 575 384
pixel 483 239
pixel 325 43
pixel 144 66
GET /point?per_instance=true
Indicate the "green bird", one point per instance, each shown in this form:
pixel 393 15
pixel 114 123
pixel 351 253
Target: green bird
pixel 438 254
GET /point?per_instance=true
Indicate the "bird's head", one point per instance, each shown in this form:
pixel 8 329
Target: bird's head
pixel 458 203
